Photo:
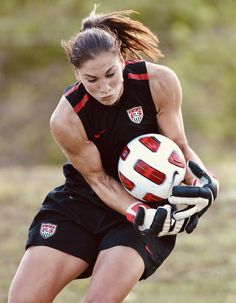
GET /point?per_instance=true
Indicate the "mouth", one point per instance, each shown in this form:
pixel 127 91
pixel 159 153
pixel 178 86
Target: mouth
pixel 107 98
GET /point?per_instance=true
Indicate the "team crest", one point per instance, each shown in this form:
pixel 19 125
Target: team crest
pixel 47 230
pixel 135 114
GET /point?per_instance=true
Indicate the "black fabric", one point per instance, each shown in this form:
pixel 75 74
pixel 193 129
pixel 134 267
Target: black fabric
pixel 84 224
pixel 83 229
pixel 110 127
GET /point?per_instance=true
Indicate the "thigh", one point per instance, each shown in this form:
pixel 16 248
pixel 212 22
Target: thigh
pixel 56 230
pixel 115 273
pixel 153 250
pixel 42 273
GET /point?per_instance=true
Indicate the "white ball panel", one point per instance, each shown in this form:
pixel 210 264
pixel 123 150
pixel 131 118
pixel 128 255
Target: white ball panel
pixel 158 160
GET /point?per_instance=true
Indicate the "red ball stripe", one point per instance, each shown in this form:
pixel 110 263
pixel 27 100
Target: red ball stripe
pixel 126 182
pixel 149 172
pixel 175 159
pixel 151 143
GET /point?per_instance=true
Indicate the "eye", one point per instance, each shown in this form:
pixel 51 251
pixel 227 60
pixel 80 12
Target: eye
pixel 110 75
pixel 91 80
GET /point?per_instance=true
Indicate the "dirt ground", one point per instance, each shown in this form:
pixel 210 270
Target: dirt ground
pixel 200 270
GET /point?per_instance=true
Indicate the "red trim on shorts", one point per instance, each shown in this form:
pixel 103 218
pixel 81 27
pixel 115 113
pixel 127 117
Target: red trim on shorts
pixel 81 103
pixel 138 76
pixel 148 249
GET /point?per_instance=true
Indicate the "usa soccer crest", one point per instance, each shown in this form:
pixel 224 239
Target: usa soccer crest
pixel 47 230
pixel 135 114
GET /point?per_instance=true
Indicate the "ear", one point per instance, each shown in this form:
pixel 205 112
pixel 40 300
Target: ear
pixel 122 61
pixel 77 74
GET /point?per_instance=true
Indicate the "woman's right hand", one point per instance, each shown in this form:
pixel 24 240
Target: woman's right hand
pixel 158 222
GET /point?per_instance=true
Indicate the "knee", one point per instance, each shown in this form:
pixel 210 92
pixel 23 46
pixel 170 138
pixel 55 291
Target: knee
pixel 13 298
pixel 91 299
pixel 95 298
pixel 19 297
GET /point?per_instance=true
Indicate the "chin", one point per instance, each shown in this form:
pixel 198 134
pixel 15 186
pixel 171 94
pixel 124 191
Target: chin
pixel 108 101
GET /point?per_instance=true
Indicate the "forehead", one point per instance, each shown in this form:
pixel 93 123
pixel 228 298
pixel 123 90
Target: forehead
pixel 100 64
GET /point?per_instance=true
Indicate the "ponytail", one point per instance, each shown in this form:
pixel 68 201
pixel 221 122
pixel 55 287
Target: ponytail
pixel 112 32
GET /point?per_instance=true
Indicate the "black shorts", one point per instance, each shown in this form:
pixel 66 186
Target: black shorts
pixel 74 220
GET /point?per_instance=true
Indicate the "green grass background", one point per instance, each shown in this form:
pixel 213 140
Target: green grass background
pixel 199 42
pixel 200 270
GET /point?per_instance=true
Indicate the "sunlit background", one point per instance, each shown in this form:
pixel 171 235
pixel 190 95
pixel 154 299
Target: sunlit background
pixel 198 39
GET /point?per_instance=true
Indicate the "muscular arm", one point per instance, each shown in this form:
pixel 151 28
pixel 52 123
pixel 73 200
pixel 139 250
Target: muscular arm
pixel 167 95
pixel 70 135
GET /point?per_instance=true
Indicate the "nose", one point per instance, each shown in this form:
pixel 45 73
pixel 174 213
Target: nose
pixel 104 88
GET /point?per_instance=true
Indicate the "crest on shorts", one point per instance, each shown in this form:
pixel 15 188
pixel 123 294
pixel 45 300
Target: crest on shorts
pixel 135 114
pixel 47 230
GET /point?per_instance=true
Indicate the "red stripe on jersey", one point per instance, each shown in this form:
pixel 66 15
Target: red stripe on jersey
pixel 81 103
pixel 132 61
pixel 138 76
pixel 72 89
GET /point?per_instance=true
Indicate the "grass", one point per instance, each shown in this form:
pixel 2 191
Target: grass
pixel 200 270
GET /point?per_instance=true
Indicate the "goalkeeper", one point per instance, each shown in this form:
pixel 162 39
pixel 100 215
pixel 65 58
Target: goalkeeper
pixel 90 226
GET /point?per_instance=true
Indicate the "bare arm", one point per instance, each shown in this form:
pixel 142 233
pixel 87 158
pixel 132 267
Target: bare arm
pixel 167 95
pixel 70 135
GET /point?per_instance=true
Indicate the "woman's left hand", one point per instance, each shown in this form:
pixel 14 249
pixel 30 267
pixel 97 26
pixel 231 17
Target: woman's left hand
pixel 198 197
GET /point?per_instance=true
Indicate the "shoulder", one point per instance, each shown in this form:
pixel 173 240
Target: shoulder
pixel 161 76
pixel 66 124
pixel 164 84
pixel 135 67
pixel 77 96
pixel 72 90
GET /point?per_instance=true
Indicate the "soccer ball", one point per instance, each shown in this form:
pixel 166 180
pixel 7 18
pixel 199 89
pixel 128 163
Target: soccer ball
pixel 149 166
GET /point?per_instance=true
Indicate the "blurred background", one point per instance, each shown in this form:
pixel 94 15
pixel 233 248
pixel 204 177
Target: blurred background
pixel 198 39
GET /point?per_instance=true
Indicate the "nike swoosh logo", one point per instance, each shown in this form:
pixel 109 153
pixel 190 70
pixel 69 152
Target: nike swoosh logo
pixel 98 135
pixel 174 175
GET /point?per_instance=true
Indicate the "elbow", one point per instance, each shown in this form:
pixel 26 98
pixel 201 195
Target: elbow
pixel 98 182
pixel 53 121
pixel 54 124
pixel 95 180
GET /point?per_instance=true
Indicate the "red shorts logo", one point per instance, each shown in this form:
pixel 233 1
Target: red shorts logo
pixel 47 230
pixel 135 114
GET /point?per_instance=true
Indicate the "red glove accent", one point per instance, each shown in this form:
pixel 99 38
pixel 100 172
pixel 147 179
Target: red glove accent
pixel 132 210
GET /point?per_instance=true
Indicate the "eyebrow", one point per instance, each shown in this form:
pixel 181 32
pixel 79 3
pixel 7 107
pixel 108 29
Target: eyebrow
pixel 105 72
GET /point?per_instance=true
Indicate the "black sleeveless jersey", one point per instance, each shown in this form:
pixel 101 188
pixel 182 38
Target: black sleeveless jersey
pixel 112 127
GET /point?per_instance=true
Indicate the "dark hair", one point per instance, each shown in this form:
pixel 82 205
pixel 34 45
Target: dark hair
pixel 111 32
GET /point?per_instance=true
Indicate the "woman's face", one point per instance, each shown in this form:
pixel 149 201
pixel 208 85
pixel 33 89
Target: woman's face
pixel 103 77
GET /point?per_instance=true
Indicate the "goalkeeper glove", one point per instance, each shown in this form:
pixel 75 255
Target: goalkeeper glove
pixel 198 197
pixel 158 222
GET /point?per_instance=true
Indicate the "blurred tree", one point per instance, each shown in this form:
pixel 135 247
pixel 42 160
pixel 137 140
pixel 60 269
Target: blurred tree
pixel 198 40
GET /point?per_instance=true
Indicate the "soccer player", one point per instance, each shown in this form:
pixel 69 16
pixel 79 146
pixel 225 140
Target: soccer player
pixel 91 226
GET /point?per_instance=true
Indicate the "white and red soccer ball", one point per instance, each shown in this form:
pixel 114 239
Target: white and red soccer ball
pixel 149 166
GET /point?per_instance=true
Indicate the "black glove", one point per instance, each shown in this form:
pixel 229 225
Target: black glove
pixel 142 216
pixel 198 197
pixel 163 223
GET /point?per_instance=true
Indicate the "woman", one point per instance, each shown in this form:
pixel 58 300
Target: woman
pixel 82 229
